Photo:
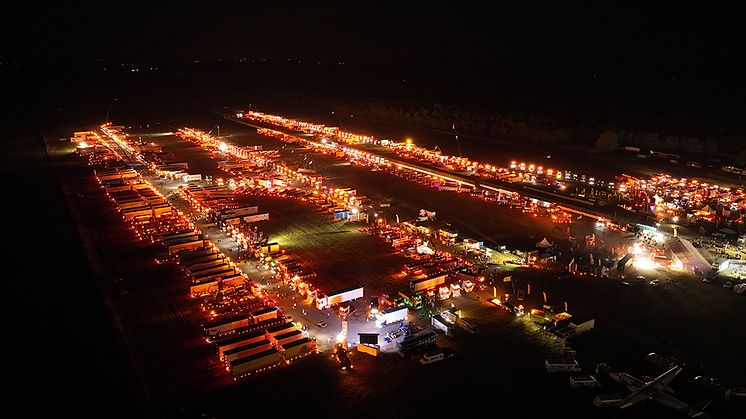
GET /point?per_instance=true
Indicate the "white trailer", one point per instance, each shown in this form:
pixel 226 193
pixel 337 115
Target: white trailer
pixel 339 297
pixel 192 178
pixel 256 217
pixel 391 315
pixel 428 283
pixel 216 327
pixel 247 210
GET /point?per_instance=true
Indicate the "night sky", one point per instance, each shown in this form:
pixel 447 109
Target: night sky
pixel 651 59
pixel 675 37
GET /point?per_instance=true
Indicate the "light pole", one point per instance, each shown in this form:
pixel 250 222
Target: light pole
pixel 109 109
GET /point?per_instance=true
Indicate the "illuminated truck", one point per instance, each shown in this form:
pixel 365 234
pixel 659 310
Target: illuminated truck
pixel 298 348
pixel 251 364
pixel 339 297
pixel 265 314
pixel 391 315
pixel 280 329
pixel 430 282
pixel 204 288
pixel 216 327
pixel 285 338
pixel 231 342
pixel 245 350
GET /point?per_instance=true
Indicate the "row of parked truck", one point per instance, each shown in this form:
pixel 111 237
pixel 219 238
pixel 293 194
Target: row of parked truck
pixel 235 311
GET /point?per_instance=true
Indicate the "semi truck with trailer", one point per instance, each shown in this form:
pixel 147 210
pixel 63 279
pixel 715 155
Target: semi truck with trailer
pixel 197 279
pixel 214 328
pixel 215 266
pixel 185 244
pixel 183 258
pixel 178 235
pixel 205 266
pixel 244 330
pixel 256 217
pixel 167 241
pixel 234 280
pixel 246 350
pixel 203 289
pixel 280 329
pixel 339 297
pixel 430 282
pixel 265 314
pixel 230 342
pixel 298 348
pixel 200 262
pixel 391 315
pixel 261 361
pixel 293 335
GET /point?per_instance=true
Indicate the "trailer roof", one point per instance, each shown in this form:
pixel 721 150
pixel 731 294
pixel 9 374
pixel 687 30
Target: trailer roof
pixel 280 327
pixel 344 290
pixel 251 345
pixel 204 276
pixel 288 334
pixel 238 338
pixel 206 268
pixel 224 320
pixel 393 309
pixel 260 355
pixel 295 343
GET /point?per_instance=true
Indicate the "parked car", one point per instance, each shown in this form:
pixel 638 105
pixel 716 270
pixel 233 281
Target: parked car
pixel 654 283
pixel 321 324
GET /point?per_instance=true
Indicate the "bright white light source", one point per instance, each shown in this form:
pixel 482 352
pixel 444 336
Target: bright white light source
pixel 223 147
pixel 644 262
pixel 354 211
pixel 675 219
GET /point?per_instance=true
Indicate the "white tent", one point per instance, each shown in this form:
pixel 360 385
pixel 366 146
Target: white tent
pixel 544 243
